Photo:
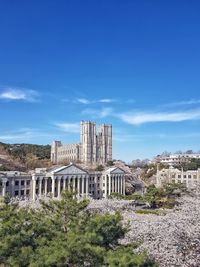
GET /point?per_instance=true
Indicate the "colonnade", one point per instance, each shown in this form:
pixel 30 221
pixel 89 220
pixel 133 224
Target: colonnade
pixel 114 184
pixel 54 185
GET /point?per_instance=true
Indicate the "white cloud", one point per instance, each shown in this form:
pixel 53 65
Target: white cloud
pixel 183 103
pixel 106 100
pixel 14 94
pixel 23 135
pixel 86 101
pixel 141 118
pixel 69 127
pixel 83 101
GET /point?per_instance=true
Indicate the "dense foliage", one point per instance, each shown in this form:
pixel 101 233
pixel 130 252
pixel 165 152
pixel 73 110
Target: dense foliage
pixel 22 150
pixel 164 197
pixel 194 164
pixel 63 233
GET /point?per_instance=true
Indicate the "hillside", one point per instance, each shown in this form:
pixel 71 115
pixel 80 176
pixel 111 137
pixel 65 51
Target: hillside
pixel 23 156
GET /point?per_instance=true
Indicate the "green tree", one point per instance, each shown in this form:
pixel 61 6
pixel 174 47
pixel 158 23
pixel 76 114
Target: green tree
pixel 63 234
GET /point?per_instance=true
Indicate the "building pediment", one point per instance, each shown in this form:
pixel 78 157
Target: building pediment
pixel 70 169
pixel 115 170
pixel 118 170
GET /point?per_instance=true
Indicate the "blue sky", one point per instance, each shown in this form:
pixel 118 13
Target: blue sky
pixel 132 63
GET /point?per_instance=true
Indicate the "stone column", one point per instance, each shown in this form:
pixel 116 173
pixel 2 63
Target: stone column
pixel 40 186
pixel 118 184
pixel 59 180
pixel 121 185
pixel 74 184
pixel 13 188
pixel 105 185
pixel 45 186
pixel 69 181
pixel 109 185
pixel 124 185
pixel 4 181
pixel 64 183
pixel 78 186
pixel 19 188
pixel 83 185
pixel 87 185
pixel 53 186
pixel 115 177
pixel 33 187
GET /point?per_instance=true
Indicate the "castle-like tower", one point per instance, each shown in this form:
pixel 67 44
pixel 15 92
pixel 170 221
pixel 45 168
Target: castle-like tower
pixel 104 147
pixel 94 147
pixel 88 140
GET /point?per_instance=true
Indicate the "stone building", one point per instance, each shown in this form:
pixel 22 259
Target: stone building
pixel 94 147
pixel 51 182
pixel 190 178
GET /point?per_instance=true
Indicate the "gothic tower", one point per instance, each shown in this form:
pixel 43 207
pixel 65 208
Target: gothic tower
pixel 54 151
pixel 88 140
pixel 104 144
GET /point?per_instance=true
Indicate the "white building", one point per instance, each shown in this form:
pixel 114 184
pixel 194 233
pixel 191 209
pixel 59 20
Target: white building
pixel 173 175
pixel 94 147
pixel 176 159
pixel 46 182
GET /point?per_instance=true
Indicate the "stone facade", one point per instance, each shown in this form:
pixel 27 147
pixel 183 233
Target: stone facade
pixel 173 175
pixel 51 182
pixel 94 147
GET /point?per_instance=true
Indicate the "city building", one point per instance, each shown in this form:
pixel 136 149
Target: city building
pixel 51 182
pixel 95 147
pixel 190 178
pixel 176 159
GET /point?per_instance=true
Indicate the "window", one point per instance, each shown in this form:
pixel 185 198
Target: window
pixel 27 182
pixel 22 182
pixel 103 184
pixel 179 176
pixel 27 192
pixel 22 192
pixel 189 176
pixel 16 193
pixel 7 183
pixel 16 183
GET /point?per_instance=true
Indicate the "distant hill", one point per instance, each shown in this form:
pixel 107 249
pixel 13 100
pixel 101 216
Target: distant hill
pixel 23 156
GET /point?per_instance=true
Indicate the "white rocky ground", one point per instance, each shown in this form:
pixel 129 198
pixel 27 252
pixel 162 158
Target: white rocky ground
pixel 172 239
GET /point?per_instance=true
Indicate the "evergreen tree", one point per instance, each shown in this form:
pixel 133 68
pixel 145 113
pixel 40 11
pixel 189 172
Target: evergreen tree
pixel 62 233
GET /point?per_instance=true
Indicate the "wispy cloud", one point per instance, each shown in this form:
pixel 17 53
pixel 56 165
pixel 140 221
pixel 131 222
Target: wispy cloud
pixel 106 100
pixel 69 127
pixel 18 94
pixel 83 101
pixel 183 103
pixel 141 137
pixel 98 113
pixel 141 118
pixel 22 135
pixel 86 101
